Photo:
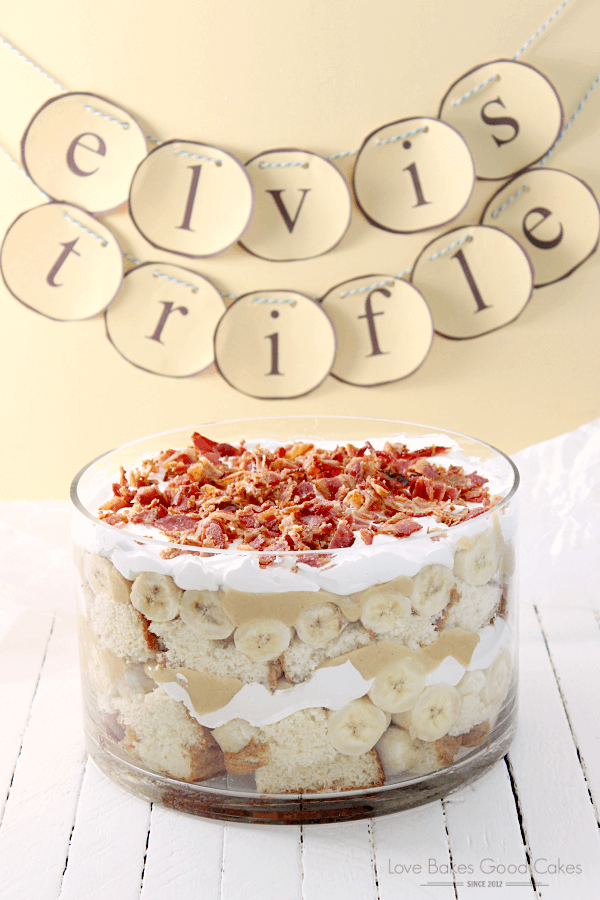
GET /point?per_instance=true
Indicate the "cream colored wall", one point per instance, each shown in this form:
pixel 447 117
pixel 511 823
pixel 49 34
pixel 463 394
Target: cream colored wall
pixel 315 75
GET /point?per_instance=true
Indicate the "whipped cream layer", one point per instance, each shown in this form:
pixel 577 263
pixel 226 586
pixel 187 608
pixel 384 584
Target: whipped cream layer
pixel 331 688
pixel 132 549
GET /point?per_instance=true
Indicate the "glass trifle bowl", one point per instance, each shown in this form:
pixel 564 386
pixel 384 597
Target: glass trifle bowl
pixel 297 619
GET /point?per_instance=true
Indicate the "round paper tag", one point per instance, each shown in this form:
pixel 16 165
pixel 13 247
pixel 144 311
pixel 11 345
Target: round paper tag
pixel 59 261
pixel 275 344
pixel 510 122
pixel 82 149
pixel 553 215
pixel 164 320
pixel 303 206
pixel 475 279
pixel 413 175
pixel 191 199
pixel 383 327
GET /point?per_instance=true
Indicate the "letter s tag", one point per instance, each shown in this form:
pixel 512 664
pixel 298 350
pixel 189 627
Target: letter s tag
pixel 508 113
pixel 303 206
pixel 482 286
pixel 61 262
pixel 384 329
pixel 553 215
pixel 83 149
pixel 275 344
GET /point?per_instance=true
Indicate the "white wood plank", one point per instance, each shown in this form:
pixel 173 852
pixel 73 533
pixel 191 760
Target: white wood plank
pixel 40 810
pixel 22 650
pixel 184 857
pixel 411 849
pixel 337 861
pixel 557 814
pixel 485 838
pixel 573 637
pixel 108 844
pixel 261 862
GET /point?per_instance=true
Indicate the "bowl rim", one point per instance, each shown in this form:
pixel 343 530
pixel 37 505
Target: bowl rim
pixel 287 554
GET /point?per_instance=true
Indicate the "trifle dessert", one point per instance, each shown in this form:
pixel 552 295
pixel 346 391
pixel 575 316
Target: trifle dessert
pixel 281 624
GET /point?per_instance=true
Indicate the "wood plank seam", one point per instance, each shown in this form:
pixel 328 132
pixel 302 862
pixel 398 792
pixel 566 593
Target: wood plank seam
pixel 571 728
pixel 37 684
pixel 374 859
pixel 146 848
pixel 449 847
pixel 528 854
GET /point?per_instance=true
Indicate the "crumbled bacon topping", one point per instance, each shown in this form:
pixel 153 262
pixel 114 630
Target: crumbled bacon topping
pixel 297 497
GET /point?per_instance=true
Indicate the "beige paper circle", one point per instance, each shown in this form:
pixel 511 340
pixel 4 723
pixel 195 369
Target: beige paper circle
pixel 524 115
pixel 477 285
pixel 82 149
pixel 415 182
pixel 303 206
pixel 191 199
pixel 62 263
pixel 164 320
pixel 556 220
pixel 275 344
pixel 383 326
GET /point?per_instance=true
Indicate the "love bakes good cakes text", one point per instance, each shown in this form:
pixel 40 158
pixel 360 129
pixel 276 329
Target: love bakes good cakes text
pixel 300 619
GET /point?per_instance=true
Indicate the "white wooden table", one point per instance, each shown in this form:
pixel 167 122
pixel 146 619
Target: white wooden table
pixel 529 828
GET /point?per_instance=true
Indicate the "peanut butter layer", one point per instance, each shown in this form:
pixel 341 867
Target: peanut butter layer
pixel 207 693
pixel 286 607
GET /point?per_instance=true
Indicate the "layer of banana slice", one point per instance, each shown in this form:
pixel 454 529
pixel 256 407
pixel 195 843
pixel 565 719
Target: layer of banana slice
pixel 320 624
pixel 262 640
pixel 398 751
pixel 398 687
pixel 157 597
pixel 431 592
pixel 471 682
pixel 202 612
pixel 477 564
pixel 356 728
pixel 235 735
pixel 384 608
pixel 497 679
pixel 104 578
pixel 435 712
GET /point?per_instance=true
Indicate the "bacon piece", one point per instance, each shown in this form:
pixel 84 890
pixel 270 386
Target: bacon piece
pixel 146 495
pixel 343 537
pixel 178 523
pixel 402 528
pixel 304 491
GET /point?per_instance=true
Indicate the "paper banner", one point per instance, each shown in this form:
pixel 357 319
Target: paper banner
pixel 303 206
pixel 164 320
pixel 413 175
pixel 191 199
pixel 509 123
pixel 62 263
pixel 82 149
pixel 275 344
pixel 383 326
pixel 553 215
pixel 475 280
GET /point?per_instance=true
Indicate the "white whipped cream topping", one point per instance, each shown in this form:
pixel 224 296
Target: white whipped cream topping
pixel 332 687
pixel 350 569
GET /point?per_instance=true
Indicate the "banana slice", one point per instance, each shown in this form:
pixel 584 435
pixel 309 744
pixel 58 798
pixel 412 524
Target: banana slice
pixel 384 609
pixel 431 593
pixel 398 687
pixel 398 751
pixel 477 564
pixel 436 711
pixel 235 735
pixel 156 596
pixel 262 640
pixel 103 578
pixel 202 612
pixel 356 728
pixel 320 624
pixel 471 683
pixel 497 679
